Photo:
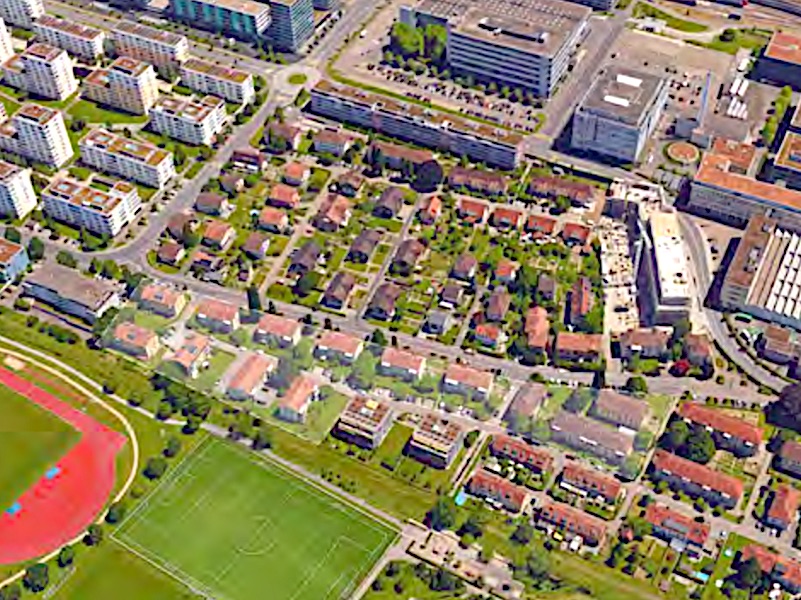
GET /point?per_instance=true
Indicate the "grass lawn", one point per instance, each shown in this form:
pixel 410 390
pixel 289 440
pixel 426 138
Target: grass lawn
pixel 750 40
pixel 218 364
pixel 110 571
pixel 557 395
pixel 229 522
pixel 10 105
pixel 646 10
pixel 94 113
pixel 297 79
pixel 31 441
pixel 733 545
pixel 320 419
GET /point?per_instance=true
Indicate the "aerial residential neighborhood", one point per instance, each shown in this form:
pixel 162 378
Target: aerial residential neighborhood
pixel 415 299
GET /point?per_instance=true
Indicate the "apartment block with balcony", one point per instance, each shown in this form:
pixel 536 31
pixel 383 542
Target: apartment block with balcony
pixel 42 69
pixel 77 39
pixel 128 84
pixel 21 13
pixel 17 196
pixel 163 49
pixel 232 84
pixel 37 133
pixel 126 158
pixel 243 19
pixel 190 121
pixel 84 207
pixel 6 45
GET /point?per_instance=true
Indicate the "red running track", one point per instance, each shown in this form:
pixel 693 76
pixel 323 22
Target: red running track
pixel 56 511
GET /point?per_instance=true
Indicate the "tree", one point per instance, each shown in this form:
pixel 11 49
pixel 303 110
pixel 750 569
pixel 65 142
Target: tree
pixel 700 446
pixel 630 467
pixel 307 283
pixel 435 43
pixel 405 40
pixel 639 528
pixel 66 557
pixel 115 514
pixel 786 411
pixel 445 581
pixel 254 301
pixel 643 439
pixel 728 35
pixel 676 435
pixel 13 235
pixel 428 177
pixel 172 447
pixel 155 468
pixel 66 259
pixel 637 385
pixel 378 338
pixel 362 375
pixel 749 574
pixel 523 534
pixel 472 526
pixel 537 564
pixel 11 592
pixel 36 578
pixel 442 515
pixel 94 535
pixel 262 439
pixel 36 249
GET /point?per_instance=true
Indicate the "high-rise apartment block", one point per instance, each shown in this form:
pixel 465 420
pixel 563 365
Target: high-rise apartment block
pixel 37 133
pixel 190 121
pixel 128 84
pixel 162 49
pixel 42 69
pixel 232 84
pixel 17 197
pixel 82 206
pixel 292 23
pixel 244 19
pixel 6 46
pixel 21 13
pixel 126 158
pixel 77 39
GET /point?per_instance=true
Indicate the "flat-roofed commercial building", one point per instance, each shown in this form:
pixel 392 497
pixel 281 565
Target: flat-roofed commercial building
pixel 292 23
pixel 480 143
pixel 37 133
pixel 42 69
pixel 619 113
pixel 6 45
pixel 787 163
pixel 244 19
pixel 524 44
pixel 77 39
pixel 129 159
pixel 21 13
pixel 128 84
pixel 780 61
pixel 195 122
pixel 163 49
pixel 667 270
pixel 17 196
pixel 232 84
pixel 721 193
pixel 762 278
pixel 436 441
pixel 70 292
pixel 82 206
pixel 364 422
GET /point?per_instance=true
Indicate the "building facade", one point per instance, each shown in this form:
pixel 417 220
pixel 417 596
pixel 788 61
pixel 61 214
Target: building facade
pixel 292 23
pixel 243 19
pixel 13 260
pixel 128 84
pixel 6 45
pixel 17 196
pixel 190 121
pixel 129 159
pixel 163 49
pixel 77 39
pixel 84 207
pixel 231 84
pixel 43 70
pixel 37 133
pixel 21 13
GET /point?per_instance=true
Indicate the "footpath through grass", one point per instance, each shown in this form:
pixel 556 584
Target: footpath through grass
pixel 31 441
pixel 227 522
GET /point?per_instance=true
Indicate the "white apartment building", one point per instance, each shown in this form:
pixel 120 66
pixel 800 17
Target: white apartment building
pixel 42 69
pixel 21 13
pixel 82 206
pixel 77 39
pixel 128 84
pixel 126 158
pixel 232 84
pixel 37 133
pixel 667 270
pixel 163 49
pixel 523 44
pixel 190 121
pixel 17 197
pixel 6 46
pixel 619 113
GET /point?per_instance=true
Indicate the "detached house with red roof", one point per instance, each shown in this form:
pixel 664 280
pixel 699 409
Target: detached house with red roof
pixel 219 235
pixel 534 458
pixel 430 210
pixel 461 379
pixel 683 532
pixel 296 174
pixel 491 336
pixel 576 234
pixel 578 347
pixel 589 482
pixel 272 329
pixel 540 226
pixel 473 211
pixel 162 299
pixel 732 434
pixel 334 345
pixel 484 484
pixel 251 376
pixel 573 522
pixel 273 219
pixel 218 316
pixel 782 570
pixel 789 457
pixel 135 340
pixel 506 271
pixel 191 355
pixel 403 364
pixel 783 508
pixel 294 405
pixel 536 328
pixel 507 218
pixel 284 196
pixel 696 479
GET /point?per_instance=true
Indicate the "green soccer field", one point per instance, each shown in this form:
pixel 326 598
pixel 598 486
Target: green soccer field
pixel 31 441
pixel 235 527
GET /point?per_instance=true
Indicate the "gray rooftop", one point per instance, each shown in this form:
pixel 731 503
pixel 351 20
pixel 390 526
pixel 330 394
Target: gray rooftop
pixel 68 283
pixel 622 94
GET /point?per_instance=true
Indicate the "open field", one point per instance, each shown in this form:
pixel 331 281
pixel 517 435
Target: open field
pixel 31 440
pixel 225 523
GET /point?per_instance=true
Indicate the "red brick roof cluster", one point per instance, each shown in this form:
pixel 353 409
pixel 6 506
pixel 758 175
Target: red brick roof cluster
pixel 590 480
pixel 698 474
pixel 676 524
pixel 516 449
pixel 592 529
pixel 719 421
pixel 485 483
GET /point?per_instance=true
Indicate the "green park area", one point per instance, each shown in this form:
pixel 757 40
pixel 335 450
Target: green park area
pixel 643 10
pixel 34 437
pixel 226 522
pixel 94 113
